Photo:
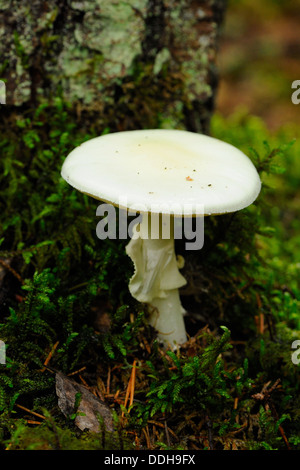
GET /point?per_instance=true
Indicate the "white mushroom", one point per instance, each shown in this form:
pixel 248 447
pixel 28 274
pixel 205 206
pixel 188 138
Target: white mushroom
pixel 171 172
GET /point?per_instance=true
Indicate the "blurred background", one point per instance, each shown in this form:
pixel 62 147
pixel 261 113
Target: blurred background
pixel 259 58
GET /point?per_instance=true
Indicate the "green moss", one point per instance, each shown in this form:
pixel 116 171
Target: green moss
pixel 51 436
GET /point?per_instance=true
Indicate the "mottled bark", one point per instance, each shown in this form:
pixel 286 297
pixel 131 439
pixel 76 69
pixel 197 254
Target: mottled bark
pixel 135 63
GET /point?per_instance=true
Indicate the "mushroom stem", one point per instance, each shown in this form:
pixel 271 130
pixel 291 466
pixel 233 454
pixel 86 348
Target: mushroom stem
pixel 156 279
pixel 167 319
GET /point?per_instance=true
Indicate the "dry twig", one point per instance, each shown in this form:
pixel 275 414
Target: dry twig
pixel 30 411
pixel 130 388
pixel 49 356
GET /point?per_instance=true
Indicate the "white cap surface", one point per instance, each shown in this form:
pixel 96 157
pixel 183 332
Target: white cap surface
pixel 172 170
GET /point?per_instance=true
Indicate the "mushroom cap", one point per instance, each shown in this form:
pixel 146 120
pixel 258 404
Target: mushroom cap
pixel 160 170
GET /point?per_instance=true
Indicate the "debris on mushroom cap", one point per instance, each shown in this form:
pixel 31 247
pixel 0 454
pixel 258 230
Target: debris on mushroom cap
pixel 152 167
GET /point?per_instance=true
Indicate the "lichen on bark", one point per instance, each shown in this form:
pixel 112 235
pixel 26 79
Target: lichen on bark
pixel 99 54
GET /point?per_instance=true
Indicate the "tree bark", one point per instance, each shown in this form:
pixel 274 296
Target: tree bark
pixel 133 64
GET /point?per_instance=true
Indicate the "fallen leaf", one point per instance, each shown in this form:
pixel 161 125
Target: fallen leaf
pixel 90 410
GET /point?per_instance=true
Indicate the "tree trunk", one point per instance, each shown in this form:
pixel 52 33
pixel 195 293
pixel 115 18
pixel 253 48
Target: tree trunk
pixel 131 64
